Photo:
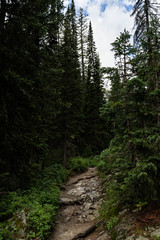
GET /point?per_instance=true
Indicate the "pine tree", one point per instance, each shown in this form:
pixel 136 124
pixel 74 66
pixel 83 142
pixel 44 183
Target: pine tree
pixel 114 107
pixel 94 99
pixel 82 41
pixel 144 12
pixel 122 52
pixel 70 117
pixel 25 85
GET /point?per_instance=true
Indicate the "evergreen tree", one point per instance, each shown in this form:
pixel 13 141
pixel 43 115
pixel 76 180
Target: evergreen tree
pixel 144 11
pixel 70 87
pixel 122 51
pixel 134 150
pixel 94 99
pixel 82 42
pixel 25 88
pixel 114 107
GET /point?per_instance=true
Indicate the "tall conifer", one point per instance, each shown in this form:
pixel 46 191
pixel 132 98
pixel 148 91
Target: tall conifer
pixel 71 91
pixel 94 99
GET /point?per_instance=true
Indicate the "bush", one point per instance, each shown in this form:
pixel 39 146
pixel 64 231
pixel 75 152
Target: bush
pixel 78 164
pixel 55 173
pixel 41 204
pixel 40 220
pixel 93 161
pixel 132 181
pixel 101 165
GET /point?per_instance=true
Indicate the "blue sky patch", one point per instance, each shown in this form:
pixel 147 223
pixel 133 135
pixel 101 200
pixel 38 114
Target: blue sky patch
pixel 103 7
pixel 128 7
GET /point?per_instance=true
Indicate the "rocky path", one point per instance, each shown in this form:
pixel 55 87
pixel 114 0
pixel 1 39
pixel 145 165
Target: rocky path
pixel 80 201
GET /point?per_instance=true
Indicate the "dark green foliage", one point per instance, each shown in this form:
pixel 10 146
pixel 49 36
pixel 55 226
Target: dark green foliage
pixel 28 97
pixel 42 91
pixel 70 117
pixel 40 204
pixel 78 164
pixel 132 111
pixel 94 129
pixel 144 11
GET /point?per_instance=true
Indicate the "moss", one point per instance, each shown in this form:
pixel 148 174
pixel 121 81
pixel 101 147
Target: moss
pixel 15 227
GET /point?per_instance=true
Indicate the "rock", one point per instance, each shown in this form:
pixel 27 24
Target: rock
pixel 141 238
pixel 88 206
pixel 81 200
pixel 94 196
pixel 131 237
pixel 134 237
pixel 77 191
pixel 155 233
pixel 103 237
pixel 123 212
pixel 95 206
pixel 68 201
pixel 19 222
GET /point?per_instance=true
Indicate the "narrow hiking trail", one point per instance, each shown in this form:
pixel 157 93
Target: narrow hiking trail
pixel 80 200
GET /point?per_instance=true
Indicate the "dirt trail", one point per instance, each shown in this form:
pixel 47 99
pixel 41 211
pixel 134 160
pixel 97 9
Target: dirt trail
pixel 80 201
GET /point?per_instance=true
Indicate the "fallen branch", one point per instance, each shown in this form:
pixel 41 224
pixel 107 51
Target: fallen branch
pixel 87 232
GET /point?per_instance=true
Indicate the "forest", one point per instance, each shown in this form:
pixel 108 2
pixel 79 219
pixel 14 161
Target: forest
pixel 56 116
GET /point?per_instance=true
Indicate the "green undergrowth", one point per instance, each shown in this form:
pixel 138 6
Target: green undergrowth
pixel 40 202
pixel 79 164
pixel 129 181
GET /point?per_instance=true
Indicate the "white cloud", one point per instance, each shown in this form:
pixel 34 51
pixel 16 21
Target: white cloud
pixel 107 24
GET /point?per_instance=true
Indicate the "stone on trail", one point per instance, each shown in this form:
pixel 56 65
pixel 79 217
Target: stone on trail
pixel 80 202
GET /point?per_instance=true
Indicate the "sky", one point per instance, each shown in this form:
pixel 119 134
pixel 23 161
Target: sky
pixel 109 18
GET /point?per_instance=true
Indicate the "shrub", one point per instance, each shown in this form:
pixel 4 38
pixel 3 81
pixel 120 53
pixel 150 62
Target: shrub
pixel 78 164
pixel 41 204
pixel 93 161
pixel 40 220
pixel 101 165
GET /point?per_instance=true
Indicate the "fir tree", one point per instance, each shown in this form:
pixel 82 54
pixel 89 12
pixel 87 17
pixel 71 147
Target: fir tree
pixel 144 12
pixel 71 90
pixel 82 42
pixel 25 88
pixel 94 99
